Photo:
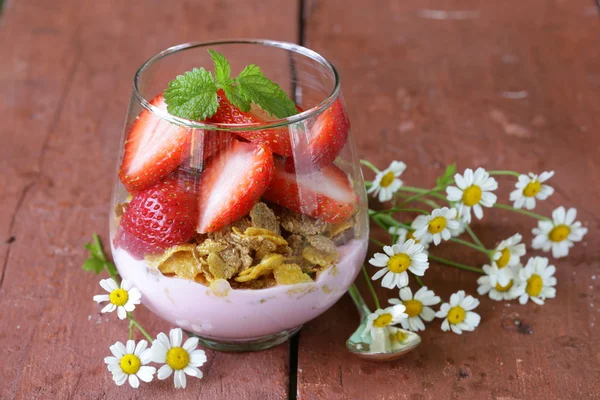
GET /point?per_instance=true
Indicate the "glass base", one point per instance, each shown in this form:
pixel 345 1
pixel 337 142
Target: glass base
pixel 258 344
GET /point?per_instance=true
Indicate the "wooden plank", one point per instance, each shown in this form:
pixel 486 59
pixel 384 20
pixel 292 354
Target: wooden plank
pixel 67 68
pixel 504 85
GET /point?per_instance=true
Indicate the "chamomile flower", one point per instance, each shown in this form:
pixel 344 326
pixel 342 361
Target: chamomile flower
pixel 489 284
pixel 417 307
pixel 177 358
pixel 458 313
pixel 474 191
pixel 123 299
pixel 386 182
pixel 381 319
pixel 537 281
pixel 437 226
pixel 507 254
pixel 559 234
pixel 531 187
pixel 404 234
pixel 397 260
pixel 128 362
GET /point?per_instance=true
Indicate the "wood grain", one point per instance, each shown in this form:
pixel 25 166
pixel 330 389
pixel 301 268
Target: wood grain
pixel 66 70
pixel 503 85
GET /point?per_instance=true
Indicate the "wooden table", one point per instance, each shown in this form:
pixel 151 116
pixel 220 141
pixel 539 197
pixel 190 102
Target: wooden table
pixel 500 84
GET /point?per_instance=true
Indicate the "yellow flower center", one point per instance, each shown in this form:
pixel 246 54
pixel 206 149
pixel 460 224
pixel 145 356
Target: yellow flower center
pixel 472 195
pixel 399 263
pixel 535 284
pixel 130 364
pixel 119 297
pixel 532 188
pixel 398 336
pixel 177 358
pixel 456 315
pixel 504 258
pixel 413 307
pixel 437 225
pixel 387 179
pixel 500 288
pixel 559 233
pixel 411 235
pixel 382 321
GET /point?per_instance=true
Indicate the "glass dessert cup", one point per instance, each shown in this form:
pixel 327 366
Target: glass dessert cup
pixel 239 229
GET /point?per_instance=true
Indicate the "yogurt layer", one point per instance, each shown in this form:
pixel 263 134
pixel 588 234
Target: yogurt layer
pixel 221 313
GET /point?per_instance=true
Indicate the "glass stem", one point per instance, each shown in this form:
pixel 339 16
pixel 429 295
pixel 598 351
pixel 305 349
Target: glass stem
pixel 524 212
pixel 455 264
pixel 371 288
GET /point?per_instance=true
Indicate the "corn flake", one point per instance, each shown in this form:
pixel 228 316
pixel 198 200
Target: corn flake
pixel 322 244
pixel 301 225
pixel 290 274
pixel 210 246
pixel 219 268
pixel 263 217
pixel 180 260
pixel 319 257
pixel 267 264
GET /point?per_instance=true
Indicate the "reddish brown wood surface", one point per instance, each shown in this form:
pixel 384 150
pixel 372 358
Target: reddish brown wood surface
pixel 66 70
pixel 504 85
pixel 499 84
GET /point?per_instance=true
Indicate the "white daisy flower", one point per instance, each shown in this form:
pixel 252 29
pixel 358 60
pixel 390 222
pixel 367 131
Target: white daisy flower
pixel 529 188
pixel 458 315
pixel 489 284
pixel 404 234
pixel 437 226
pixel 507 254
pixel 462 227
pixel 381 319
pixel 396 260
pixel 559 234
pixel 536 281
pixel 474 190
pixel 417 307
pixel 129 361
pixel 123 299
pixel 386 182
pixel 182 359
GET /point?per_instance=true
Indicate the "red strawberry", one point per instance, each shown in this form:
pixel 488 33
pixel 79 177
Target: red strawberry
pixel 325 194
pixel 277 140
pixel 153 149
pixel 159 217
pixel 232 182
pixel 213 142
pixel 328 135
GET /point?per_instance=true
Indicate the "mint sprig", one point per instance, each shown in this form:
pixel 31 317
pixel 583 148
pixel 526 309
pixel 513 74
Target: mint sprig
pixel 193 95
pixel 97 260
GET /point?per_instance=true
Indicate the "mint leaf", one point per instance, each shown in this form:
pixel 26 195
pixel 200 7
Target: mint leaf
pixel 222 68
pixel 97 262
pixel 236 98
pixel 265 93
pixel 192 95
pixel 93 265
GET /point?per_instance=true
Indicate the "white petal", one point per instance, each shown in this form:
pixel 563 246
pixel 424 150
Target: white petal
pixel 121 313
pixel 454 193
pixel 427 314
pixel 193 371
pixel 460 181
pixel 108 284
pixel 119 377
pixel 111 360
pixel 129 307
pixel 159 352
pixel 176 336
pixel 406 293
pixel 472 319
pixel 118 350
pixel 379 274
pixel 197 358
pixel 455 329
pixel 141 346
pixel 146 356
pixel 130 346
pixel 99 298
pixel 110 307
pixel 134 381
pixel 146 373
pixel 558 215
pixel 126 284
pixel 402 279
pixel 445 325
pixel 388 280
pixel 478 211
pixel 164 372
pixel 180 379
pixel 570 216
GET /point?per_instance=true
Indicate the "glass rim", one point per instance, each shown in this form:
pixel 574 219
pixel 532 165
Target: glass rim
pixel 313 111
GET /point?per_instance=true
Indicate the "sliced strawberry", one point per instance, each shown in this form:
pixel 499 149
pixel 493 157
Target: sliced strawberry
pixel 277 140
pixel 232 182
pixel 160 216
pixel 328 136
pixel 153 149
pixel 195 154
pixel 325 194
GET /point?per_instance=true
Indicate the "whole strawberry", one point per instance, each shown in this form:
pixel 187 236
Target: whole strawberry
pixel 160 217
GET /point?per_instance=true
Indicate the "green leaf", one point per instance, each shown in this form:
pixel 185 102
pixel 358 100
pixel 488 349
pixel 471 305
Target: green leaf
pixel 236 98
pixel 192 95
pixel 265 93
pixel 222 67
pixel 93 264
pixel 446 179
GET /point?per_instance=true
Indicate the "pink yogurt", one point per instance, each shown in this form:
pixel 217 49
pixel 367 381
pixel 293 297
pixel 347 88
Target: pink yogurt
pixel 221 313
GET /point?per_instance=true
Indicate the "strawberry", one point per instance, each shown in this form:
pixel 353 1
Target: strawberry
pixel 325 194
pixel 277 140
pixel 232 182
pixel 213 142
pixel 153 149
pixel 328 135
pixel 160 216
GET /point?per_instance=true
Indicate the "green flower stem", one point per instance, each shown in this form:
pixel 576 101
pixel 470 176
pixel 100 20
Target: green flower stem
pixel 471 245
pixel 413 189
pixel 130 330
pixel 473 236
pixel 419 195
pixel 368 184
pixel 510 173
pixel 377 242
pixel 419 281
pixel 133 322
pixel 371 288
pixel 399 209
pixel 455 264
pixel 524 212
pixel 370 165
